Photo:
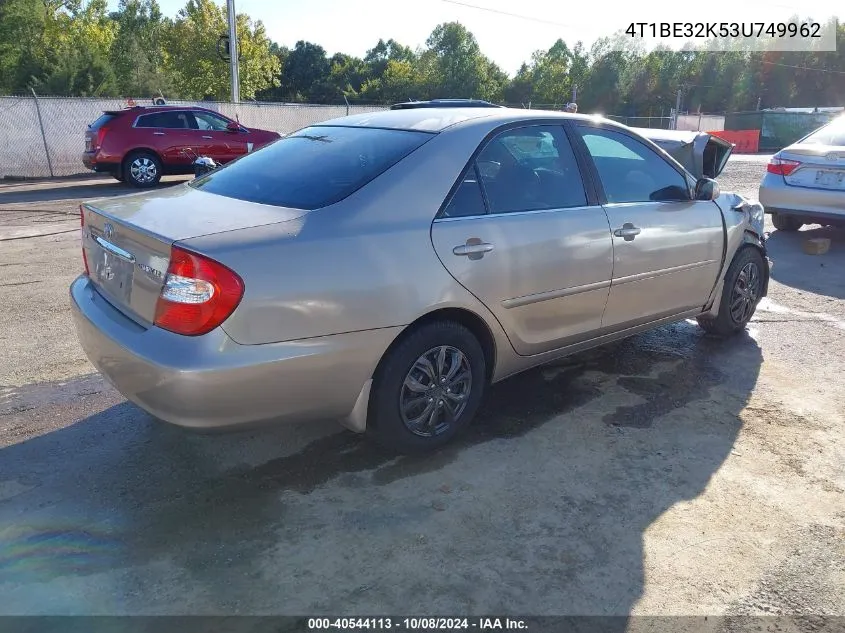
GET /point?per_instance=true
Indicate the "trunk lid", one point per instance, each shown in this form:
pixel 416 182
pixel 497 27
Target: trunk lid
pixel 127 239
pixel 821 166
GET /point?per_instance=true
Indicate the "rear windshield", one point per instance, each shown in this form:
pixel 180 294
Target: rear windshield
pixel 105 118
pixel 831 134
pixel 314 167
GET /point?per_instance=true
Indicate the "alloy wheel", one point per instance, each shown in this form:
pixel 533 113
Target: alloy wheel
pixel 435 391
pixel 143 170
pixel 745 293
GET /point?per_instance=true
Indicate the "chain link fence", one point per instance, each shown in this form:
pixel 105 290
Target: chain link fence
pixel 44 137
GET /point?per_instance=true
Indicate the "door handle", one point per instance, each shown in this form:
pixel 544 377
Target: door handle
pixel 474 248
pixel 158 133
pixel 628 231
pixel 208 137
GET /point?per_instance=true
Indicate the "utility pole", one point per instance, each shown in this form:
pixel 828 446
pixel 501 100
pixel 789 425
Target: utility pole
pixel 677 108
pixel 575 93
pixel 233 52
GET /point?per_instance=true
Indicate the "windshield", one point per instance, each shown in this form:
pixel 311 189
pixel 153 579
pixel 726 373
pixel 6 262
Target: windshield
pixel 314 167
pixel 831 134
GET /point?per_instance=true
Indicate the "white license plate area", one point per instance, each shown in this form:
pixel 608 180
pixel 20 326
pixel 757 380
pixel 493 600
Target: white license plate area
pixel 829 179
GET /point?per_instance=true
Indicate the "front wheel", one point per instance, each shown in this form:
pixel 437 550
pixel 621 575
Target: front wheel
pixel 740 295
pixel 427 389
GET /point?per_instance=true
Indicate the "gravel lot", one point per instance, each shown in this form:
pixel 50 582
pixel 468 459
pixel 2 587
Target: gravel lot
pixel 669 474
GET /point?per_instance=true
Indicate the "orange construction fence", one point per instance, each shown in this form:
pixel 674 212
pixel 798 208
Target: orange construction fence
pixel 745 141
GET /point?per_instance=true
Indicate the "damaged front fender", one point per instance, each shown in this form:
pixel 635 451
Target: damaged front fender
pixel 744 228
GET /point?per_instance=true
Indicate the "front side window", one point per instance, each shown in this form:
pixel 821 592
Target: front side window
pixel 530 168
pixel 210 122
pixel 314 167
pixel 630 171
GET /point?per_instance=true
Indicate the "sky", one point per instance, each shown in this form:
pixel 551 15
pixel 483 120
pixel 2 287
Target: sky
pixel 507 31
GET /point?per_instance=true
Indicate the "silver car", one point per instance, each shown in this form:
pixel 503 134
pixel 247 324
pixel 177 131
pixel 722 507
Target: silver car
pixel 383 269
pixel 805 182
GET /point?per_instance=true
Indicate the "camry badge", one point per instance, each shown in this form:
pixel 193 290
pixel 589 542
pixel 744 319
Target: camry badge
pixel 151 271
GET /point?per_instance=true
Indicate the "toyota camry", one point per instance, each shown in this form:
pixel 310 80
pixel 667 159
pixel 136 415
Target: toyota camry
pixel 384 269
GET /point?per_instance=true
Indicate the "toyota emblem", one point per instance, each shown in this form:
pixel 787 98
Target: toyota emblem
pixel 108 231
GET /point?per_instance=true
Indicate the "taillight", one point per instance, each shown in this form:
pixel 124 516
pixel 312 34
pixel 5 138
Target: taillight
pixel 101 135
pixel 82 237
pixel 782 166
pixel 198 294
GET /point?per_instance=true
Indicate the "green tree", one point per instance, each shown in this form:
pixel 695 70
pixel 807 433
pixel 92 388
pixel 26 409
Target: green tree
pixel 192 62
pixel 22 55
pixel 453 66
pixel 379 55
pixel 306 66
pixel 136 54
pixel 550 74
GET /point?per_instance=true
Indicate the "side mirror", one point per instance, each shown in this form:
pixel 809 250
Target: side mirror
pixel 233 127
pixel 707 189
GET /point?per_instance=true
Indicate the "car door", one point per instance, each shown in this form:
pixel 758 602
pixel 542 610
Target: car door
pixel 222 144
pixel 522 234
pixel 667 247
pixel 168 133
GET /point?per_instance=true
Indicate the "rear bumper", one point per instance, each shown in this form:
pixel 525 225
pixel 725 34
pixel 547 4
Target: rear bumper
pixel 778 197
pixel 210 381
pixel 91 161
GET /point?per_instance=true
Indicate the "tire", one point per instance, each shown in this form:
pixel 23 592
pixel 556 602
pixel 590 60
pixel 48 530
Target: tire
pixel 405 423
pixel 786 223
pixel 740 294
pixel 142 169
pixel 118 176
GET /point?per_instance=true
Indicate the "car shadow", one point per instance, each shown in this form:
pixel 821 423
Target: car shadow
pixel 541 507
pixel 71 190
pixel 819 274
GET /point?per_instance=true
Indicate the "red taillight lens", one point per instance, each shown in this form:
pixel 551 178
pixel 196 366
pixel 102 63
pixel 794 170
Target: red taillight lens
pixel 101 135
pixel 82 237
pixel 198 294
pixel 782 166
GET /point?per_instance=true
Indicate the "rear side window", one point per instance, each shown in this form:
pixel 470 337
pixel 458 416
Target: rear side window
pixel 314 167
pixel 104 118
pixel 831 134
pixel 530 168
pixel 468 199
pixel 169 120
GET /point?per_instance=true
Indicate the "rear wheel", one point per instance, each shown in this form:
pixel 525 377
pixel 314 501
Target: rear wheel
pixel 142 169
pixel 786 222
pixel 740 295
pixel 427 389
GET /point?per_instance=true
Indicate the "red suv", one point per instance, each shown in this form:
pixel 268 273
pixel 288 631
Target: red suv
pixel 139 145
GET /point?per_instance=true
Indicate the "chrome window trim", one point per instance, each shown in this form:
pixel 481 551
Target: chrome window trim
pixel 506 214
